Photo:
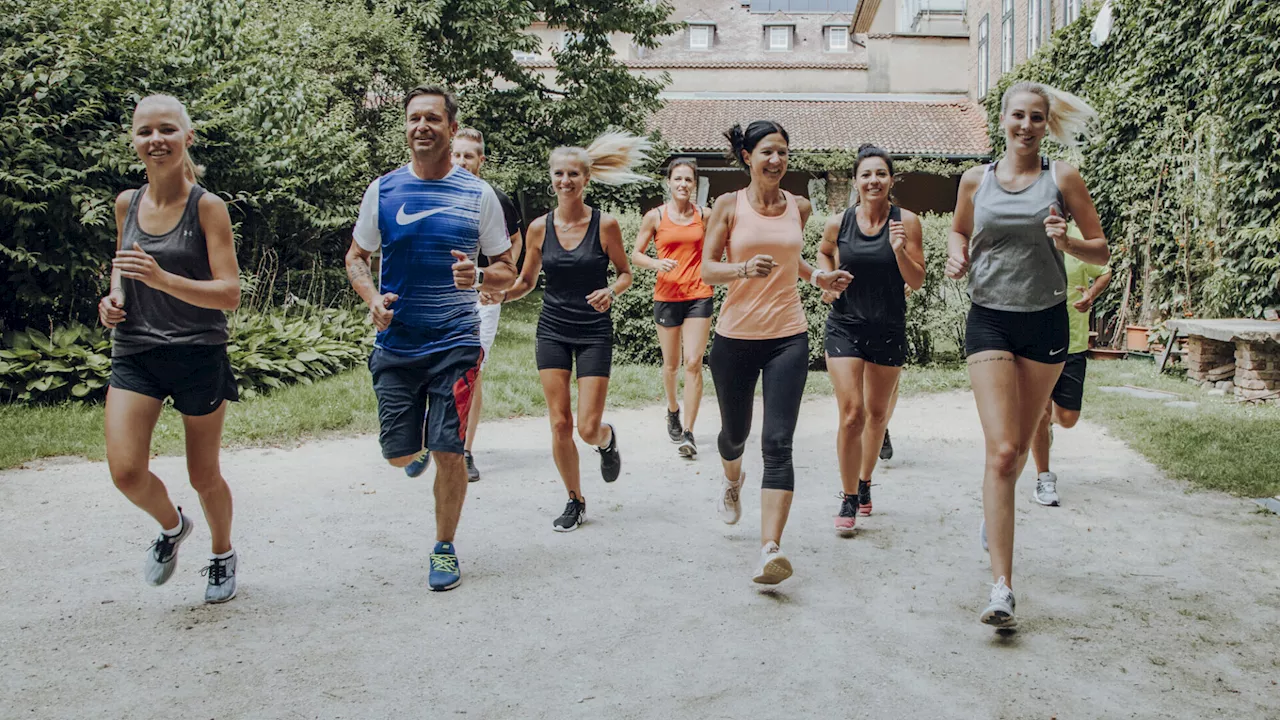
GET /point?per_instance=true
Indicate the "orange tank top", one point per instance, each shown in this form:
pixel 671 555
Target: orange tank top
pixel 764 308
pixel 682 243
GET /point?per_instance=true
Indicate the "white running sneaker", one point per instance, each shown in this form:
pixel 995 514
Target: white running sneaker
pixel 774 566
pixel 162 556
pixel 1046 489
pixel 999 612
pixel 729 504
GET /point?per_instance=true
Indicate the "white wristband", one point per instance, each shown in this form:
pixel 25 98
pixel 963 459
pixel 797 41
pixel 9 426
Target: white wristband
pixel 813 279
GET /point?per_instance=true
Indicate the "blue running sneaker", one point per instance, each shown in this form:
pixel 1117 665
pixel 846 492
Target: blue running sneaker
pixel 444 568
pixel 419 466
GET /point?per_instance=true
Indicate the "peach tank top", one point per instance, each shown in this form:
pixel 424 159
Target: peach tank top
pixel 764 308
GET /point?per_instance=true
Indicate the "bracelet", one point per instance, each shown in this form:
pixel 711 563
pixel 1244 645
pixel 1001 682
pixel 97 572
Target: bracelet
pixel 813 279
pixel 613 294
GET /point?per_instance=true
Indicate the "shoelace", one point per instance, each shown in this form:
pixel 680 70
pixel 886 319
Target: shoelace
pixel 163 547
pixel 570 508
pixel 864 493
pixel 444 562
pixel 849 506
pixel 1000 592
pixel 217 571
pixel 1049 486
pixel 731 492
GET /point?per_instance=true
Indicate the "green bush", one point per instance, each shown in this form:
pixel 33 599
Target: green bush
pixel 267 350
pixel 935 314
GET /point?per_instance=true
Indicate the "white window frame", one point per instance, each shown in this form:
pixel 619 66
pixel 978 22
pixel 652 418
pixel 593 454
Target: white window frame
pixel 1035 26
pixel 838 31
pixel 776 31
pixel 1007 42
pixel 524 56
pixel 707 32
pixel 984 56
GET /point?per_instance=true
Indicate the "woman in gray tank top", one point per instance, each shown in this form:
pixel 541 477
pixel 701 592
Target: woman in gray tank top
pixel 1008 234
pixel 173 276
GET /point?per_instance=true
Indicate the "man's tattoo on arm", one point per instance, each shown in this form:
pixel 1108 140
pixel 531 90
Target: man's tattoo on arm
pixel 358 271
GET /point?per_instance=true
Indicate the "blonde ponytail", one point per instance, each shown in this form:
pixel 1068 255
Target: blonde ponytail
pixel 1068 116
pixel 611 158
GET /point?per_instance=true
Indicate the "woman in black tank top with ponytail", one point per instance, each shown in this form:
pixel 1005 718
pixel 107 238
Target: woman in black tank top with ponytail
pixel 575 244
pixel 173 276
pixel 882 246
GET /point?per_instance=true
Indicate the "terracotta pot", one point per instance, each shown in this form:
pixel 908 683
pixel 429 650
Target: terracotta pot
pixel 1107 354
pixel 1135 338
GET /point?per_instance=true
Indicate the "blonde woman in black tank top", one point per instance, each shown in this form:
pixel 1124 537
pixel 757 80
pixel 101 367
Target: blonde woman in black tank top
pixel 1013 219
pixel 882 246
pixel 174 274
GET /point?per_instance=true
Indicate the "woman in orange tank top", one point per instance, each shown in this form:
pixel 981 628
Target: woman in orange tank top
pixel 754 243
pixel 682 304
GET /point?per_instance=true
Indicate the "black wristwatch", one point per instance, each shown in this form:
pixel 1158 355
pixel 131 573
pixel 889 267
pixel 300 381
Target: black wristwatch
pixel 479 278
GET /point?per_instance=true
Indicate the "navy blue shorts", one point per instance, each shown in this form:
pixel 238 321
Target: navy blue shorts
pixel 197 377
pixel 424 399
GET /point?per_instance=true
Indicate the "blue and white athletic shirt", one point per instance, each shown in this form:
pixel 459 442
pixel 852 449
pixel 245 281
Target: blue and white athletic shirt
pixel 416 223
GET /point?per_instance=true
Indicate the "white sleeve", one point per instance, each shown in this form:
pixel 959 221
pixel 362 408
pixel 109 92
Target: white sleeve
pixel 367 235
pixel 493 225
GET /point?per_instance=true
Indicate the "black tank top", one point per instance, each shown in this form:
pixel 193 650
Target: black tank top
pixel 572 275
pixel 875 297
pixel 157 318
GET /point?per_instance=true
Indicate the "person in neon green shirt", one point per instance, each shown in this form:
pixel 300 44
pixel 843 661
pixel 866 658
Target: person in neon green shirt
pixel 1085 283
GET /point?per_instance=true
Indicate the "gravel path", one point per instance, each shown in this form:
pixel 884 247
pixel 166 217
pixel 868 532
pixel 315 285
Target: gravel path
pixel 1137 598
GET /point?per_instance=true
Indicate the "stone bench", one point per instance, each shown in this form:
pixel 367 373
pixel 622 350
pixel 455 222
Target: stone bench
pixel 1238 355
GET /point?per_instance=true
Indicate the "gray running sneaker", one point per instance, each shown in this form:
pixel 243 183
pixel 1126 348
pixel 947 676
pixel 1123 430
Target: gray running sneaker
pixel 222 579
pixel 473 474
pixel 688 448
pixel 729 504
pixel 999 612
pixel 162 556
pixel 1046 489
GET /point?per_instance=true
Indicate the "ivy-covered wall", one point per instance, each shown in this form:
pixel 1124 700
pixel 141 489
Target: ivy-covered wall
pixel 1184 164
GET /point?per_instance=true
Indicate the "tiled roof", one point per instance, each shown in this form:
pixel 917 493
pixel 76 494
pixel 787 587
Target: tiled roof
pixel 709 62
pixel 899 126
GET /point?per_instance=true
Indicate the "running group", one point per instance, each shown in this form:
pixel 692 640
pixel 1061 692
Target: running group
pixel 453 250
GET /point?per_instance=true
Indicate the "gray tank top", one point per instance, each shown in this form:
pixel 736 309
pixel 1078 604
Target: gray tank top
pixel 1013 265
pixel 155 318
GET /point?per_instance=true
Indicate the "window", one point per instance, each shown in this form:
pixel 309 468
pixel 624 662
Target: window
pixel 779 37
pixel 984 56
pixel 1071 11
pixel 1006 37
pixel 522 56
pixel 838 39
pixel 1035 25
pixel 700 37
pixel 569 36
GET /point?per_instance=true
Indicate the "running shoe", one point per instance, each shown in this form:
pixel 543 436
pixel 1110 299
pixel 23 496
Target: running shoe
pixel 444 573
pixel 774 566
pixel 688 448
pixel 729 504
pixel 473 475
pixel 419 466
pixel 982 534
pixel 848 516
pixel 999 612
pixel 1046 489
pixel 222 579
pixel 674 429
pixel 575 513
pixel 864 498
pixel 610 458
pixel 886 447
pixel 162 556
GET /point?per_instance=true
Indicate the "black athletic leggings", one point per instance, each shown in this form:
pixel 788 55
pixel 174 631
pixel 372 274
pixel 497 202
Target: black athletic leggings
pixel 735 367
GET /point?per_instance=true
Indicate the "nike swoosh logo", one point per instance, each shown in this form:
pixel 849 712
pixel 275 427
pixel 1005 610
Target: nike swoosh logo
pixel 1055 352
pixel 404 218
pixel 1056 293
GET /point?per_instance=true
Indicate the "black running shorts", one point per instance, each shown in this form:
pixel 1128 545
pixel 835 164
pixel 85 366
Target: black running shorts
pixel 1068 394
pixel 1040 336
pixel 433 389
pixel 593 358
pixel 197 377
pixel 672 314
pixel 878 346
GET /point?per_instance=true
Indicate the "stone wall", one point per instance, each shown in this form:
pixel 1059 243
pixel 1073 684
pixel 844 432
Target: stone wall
pixel 1257 370
pixel 1209 360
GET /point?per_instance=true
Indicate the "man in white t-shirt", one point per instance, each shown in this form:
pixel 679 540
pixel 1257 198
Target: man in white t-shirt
pixel 430 220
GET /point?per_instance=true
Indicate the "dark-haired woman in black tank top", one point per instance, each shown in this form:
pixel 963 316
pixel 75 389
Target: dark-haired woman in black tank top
pixel 575 245
pixel 881 245
pixel 174 274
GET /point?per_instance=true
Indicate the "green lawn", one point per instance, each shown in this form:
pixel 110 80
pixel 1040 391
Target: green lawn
pixel 1220 444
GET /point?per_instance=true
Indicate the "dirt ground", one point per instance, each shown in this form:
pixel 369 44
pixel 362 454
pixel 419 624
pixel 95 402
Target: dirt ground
pixel 1137 598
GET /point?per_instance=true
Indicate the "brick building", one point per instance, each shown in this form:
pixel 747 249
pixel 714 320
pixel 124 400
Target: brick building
pixel 1004 33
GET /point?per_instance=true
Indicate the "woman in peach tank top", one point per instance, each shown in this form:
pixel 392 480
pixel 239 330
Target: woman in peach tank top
pixel 754 242
pixel 682 304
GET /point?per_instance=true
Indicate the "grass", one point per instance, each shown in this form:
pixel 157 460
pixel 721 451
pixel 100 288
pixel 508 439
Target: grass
pixel 1219 445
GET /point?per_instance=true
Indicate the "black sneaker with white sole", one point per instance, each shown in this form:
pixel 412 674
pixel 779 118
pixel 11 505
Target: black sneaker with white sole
pixel 473 475
pixel 674 429
pixel 610 458
pixel 688 448
pixel 575 513
pixel 886 447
